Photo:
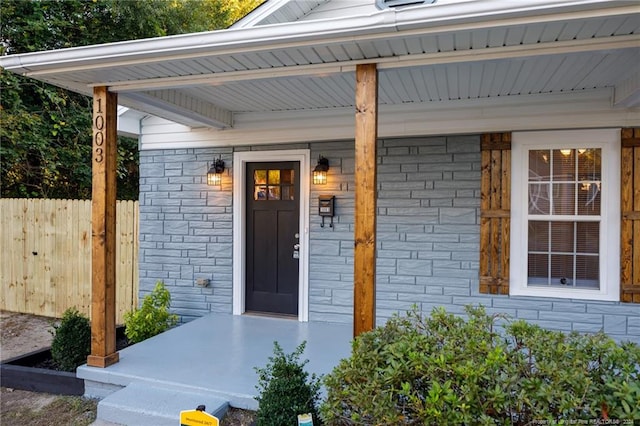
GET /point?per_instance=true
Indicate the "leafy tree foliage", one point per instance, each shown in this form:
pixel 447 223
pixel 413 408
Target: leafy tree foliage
pixel 45 131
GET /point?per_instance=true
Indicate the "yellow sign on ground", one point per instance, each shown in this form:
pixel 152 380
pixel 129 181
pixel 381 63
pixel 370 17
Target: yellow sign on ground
pixel 197 418
pixel 305 420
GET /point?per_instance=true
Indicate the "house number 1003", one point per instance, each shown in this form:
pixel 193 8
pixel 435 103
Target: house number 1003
pixel 98 138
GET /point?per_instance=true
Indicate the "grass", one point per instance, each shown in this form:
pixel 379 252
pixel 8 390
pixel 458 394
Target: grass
pixel 64 410
pixel 35 409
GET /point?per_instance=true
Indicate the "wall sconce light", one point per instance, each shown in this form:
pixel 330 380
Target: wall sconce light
pixel 320 172
pixel 214 175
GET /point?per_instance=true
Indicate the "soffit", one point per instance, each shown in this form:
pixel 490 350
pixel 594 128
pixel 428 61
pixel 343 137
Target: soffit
pixel 278 12
pixel 382 48
pixel 441 82
pixel 292 11
pixel 422 64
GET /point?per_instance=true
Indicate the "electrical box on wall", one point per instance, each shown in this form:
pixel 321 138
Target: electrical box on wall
pixel 326 208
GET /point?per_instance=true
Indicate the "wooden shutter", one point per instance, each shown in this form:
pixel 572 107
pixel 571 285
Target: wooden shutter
pixel 495 213
pixel 630 225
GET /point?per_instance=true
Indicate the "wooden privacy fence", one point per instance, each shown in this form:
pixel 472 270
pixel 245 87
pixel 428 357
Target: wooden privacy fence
pixel 45 258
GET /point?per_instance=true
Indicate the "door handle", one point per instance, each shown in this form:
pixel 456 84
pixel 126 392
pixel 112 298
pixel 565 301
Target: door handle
pixel 296 246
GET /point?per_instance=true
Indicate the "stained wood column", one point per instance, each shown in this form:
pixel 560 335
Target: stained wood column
pixel 364 300
pixel 630 224
pixel 103 230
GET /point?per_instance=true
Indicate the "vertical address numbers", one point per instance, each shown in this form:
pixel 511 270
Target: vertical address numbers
pixel 98 134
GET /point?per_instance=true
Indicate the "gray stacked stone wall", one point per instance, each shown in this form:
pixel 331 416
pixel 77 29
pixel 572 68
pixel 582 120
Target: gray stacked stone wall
pixel 427 246
pixel 428 242
pixel 427 227
pixel 186 229
pixel 331 248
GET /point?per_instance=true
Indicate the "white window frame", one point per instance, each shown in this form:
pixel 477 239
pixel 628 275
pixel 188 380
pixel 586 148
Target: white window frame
pixel 608 140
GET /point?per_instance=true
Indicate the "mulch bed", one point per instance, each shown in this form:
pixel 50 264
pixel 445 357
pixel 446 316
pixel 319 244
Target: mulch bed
pixel 49 364
pixel 37 372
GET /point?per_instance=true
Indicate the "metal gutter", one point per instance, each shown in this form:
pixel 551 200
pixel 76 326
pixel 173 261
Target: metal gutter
pixel 460 15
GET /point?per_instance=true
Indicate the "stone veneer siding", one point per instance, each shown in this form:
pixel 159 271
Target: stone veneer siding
pixel 428 236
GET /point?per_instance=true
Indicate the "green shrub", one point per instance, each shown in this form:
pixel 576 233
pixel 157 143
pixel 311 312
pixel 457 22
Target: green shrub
pixel 285 389
pixel 152 317
pixel 71 340
pixel 448 370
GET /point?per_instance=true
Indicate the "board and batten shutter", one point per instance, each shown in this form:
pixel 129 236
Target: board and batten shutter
pixel 630 211
pixel 495 213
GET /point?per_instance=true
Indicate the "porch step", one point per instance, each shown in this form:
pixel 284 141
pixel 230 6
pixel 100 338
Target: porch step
pixel 151 404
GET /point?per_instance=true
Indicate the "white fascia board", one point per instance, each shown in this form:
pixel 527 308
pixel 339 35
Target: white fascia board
pixel 129 128
pixel 589 109
pixel 186 45
pixel 433 18
pixel 129 122
pixel 627 93
pixel 194 111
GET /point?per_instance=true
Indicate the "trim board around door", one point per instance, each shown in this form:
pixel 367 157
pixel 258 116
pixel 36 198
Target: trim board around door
pixel 240 160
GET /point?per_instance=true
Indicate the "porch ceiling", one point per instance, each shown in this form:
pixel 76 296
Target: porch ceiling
pixel 205 81
pixel 427 83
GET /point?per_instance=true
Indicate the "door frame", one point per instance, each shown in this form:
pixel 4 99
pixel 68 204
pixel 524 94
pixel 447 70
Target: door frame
pixel 240 160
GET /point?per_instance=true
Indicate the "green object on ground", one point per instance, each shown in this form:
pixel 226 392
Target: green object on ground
pixel 285 389
pixel 71 340
pixel 152 318
pixel 482 369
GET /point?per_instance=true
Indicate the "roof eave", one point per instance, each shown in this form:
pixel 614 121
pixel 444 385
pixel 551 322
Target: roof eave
pixel 461 15
pixel 260 13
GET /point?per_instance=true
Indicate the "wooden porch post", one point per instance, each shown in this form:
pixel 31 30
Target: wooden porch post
pixel 364 300
pixel 103 230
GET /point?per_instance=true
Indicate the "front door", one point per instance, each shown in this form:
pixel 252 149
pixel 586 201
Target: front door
pixel 272 246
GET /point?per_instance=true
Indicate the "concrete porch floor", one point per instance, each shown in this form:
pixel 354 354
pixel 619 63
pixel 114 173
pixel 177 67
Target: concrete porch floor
pixel 214 356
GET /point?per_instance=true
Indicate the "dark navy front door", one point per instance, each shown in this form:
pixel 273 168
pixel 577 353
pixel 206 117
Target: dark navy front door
pixel 272 221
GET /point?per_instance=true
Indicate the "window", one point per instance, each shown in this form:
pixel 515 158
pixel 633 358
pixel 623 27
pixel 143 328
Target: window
pixel 565 214
pixel 273 184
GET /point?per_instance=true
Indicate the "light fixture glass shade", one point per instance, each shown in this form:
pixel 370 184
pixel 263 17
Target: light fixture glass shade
pixel 319 177
pixel 320 172
pixel 214 179
pixel 214 175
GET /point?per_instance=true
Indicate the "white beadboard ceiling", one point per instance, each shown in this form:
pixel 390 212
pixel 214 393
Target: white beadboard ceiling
pixel 572 51
pixel 442 82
